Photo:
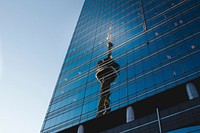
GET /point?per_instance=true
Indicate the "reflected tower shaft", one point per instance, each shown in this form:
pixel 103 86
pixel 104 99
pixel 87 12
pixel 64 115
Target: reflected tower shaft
pixel 106 73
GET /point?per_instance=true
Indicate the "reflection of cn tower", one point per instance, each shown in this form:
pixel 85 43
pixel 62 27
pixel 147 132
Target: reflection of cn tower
pixel 106 72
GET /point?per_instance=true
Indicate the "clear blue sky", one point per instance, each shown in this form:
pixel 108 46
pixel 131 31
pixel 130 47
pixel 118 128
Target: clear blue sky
pixel 34 37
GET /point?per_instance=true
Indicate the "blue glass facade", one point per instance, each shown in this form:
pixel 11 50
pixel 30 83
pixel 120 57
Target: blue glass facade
pixel 155 42
pixel 193 129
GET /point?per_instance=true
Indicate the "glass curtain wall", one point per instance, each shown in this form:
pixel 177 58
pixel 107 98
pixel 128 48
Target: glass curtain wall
pixel 155 42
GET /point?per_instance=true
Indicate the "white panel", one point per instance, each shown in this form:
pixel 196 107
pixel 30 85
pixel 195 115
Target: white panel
pixel 130 116
pixel 191 91
pixel 80 129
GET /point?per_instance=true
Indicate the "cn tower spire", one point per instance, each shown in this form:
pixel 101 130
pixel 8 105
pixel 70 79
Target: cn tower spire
pixel 109 43
pixel 109 34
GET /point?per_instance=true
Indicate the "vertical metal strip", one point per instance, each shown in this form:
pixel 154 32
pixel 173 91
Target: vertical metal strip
pixel 159 122
pixel 143 16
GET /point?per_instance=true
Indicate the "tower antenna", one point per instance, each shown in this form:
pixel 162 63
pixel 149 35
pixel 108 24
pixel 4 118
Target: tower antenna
pixel 109 34
pixel 109 43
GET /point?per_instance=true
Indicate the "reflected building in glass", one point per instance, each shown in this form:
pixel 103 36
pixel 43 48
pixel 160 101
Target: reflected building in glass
pixel 132 66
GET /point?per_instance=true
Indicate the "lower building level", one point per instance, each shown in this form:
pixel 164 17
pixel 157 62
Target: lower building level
pixel 176 110
pixel 181 118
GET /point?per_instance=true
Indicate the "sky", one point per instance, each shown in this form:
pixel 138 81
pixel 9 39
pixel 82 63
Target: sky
pixel 34 38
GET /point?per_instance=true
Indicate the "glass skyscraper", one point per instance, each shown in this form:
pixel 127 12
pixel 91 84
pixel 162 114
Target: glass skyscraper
pixel 132 66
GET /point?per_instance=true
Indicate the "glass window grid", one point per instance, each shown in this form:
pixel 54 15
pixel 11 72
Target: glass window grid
pixel 113 35
pixel 158 8
pixel 101 45
pixel 174 11
pixel 112 107
pixel 130 99
pixel 105 21
pixel 193 58
pixel 163 16
pixel 187 32
pixel 108 10
pixel 168 67
pixel 107 25
pixel 157 15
